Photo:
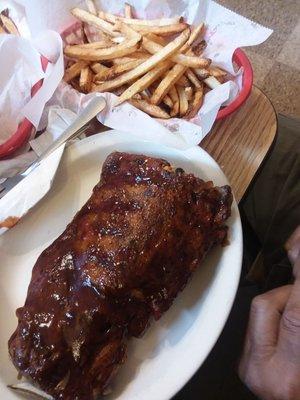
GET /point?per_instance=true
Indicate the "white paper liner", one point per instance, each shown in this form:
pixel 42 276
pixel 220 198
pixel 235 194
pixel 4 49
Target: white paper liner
pixel 226 31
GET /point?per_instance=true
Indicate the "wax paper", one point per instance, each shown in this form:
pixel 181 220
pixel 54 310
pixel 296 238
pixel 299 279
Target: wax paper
pixel 225 32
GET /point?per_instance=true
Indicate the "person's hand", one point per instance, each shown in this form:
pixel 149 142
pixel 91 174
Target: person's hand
pixel 270 364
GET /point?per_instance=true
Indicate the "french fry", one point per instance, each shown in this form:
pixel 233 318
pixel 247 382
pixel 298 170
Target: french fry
pixel 128 11
pixel 168 101
pixel 109 53
pixel 194 35
pixel 118 69
pixel 193 78
pixel 192 61
pixel 199 47
pixel 196 32
pixel 169 80
pixel 196 104
pixel 128 31
pixel 101 75
pixel 201 73
pixel 2 30
pixel 91 6
pixel 140 53
pixel 103 44
pixel 115 70
pixel 97 67
pixel 85 80
pixel 122 60
pixel 147 65
pixel 154 111
pixel 164 30
pixel 95 21
pixel 117 92
pixel 153 22
pixel 134 21
pixel 188 92
pixel 144 82
pixel 183 81
pixel 183 102
pixel 8 25
pixel 161 41
pixel 157 39
pixel 74 70
pixel 217 72
pixel 183 59
pixel 175 99
pixel 212 82
pixel 133 56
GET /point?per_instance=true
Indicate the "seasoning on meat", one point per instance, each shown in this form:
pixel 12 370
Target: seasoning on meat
pixel 121 262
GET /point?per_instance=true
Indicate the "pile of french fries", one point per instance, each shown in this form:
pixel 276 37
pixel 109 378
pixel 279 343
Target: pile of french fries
pixel 156 65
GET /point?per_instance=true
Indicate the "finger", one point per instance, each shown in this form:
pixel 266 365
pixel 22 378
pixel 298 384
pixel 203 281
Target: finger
pixel 263 327
pixel 289 334
pixel 293 246
pixel 265 316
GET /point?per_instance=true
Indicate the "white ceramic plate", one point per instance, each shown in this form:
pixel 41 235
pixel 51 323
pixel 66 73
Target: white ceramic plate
pixel 171 351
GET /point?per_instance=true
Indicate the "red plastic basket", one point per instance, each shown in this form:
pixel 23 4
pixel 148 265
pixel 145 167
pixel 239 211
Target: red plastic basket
pixel 241 60
pixel 22 135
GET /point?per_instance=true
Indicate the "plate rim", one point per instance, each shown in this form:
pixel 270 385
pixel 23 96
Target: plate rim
pixel 112 137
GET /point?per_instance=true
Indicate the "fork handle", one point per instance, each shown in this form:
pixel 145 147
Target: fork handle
pixel 91 110
pixel 75 129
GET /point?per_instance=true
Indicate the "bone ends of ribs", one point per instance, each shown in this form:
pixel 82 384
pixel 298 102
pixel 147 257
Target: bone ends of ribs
pixel 119 264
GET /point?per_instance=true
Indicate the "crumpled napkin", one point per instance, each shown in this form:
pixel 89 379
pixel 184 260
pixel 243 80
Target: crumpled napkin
pixel 20 69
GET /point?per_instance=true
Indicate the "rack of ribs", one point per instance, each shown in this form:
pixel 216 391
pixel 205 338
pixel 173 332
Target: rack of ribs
pixel 119 264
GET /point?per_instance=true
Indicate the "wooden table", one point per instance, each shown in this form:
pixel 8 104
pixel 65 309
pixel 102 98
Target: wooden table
pixel 240 142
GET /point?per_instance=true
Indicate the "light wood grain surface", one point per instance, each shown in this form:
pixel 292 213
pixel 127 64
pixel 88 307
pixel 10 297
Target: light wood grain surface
pixel 240 142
